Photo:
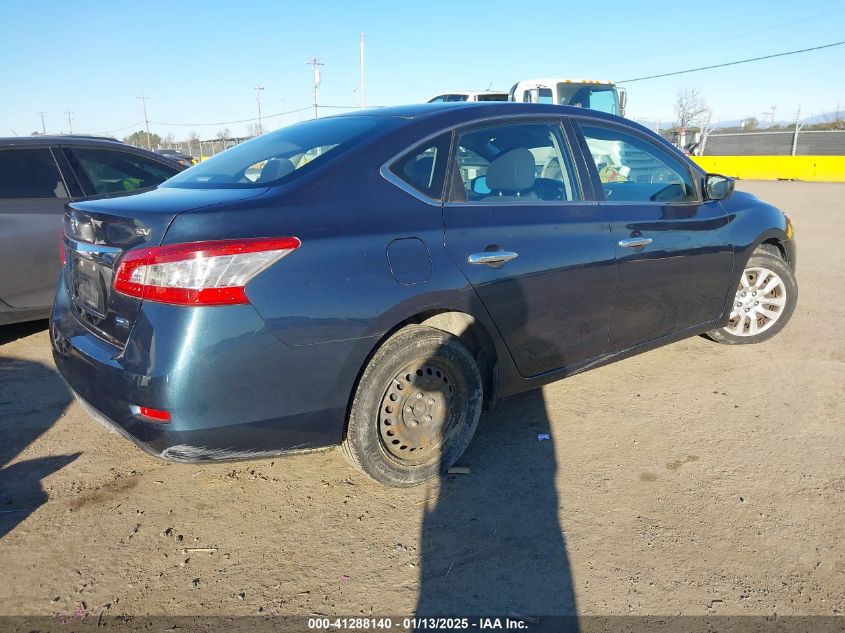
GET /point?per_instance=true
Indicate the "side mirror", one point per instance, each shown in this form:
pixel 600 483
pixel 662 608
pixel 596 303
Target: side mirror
pixel 623 101
pixel 718 187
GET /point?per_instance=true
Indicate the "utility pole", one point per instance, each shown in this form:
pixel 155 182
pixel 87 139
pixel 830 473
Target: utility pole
pixel 69 121
pixel 258 90
pixel 362 71
pixel 316 63
pixel 146 120
pixel 43 126
pixel 798 127
pixel 771 113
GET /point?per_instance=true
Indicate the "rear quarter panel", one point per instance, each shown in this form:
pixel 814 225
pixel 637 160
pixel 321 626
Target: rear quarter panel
pixel 336 295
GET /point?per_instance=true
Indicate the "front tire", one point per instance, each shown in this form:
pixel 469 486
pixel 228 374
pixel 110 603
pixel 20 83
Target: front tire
pixel 416 408
pixel 764 301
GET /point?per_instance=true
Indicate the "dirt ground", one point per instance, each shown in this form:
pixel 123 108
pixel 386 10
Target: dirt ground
pixel 696 479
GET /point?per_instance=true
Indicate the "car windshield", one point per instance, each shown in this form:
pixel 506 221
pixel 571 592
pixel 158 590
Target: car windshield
pixel 276 156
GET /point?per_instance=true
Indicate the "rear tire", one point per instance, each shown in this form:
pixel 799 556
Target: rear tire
pixel 764 301
pixel 416 408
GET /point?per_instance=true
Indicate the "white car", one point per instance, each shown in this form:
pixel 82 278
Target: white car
pixel 477 95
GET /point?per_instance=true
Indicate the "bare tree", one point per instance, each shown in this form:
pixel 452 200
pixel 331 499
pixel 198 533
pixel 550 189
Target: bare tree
pixel 689 107
pixel 193 141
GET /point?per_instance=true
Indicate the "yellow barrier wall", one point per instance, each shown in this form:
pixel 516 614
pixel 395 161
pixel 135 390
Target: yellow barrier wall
pixel 811 168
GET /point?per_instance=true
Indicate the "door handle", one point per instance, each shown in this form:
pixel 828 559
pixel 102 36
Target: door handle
pixel 635 242
pixel 491 257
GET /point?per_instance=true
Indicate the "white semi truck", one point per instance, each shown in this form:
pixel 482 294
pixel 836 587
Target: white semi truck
pixel 604 96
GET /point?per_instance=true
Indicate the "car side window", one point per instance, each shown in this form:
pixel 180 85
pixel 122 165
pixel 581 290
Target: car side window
pixel 30 173
pixel 632 169
pixel 424 167
pixel 527 162
pixel 112 171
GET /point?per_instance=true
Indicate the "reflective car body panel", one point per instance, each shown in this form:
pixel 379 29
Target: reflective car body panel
pixel 278 373
pixel 565 270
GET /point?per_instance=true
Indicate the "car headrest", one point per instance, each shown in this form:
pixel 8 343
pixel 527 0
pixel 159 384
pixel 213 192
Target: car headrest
pixel 512 171
pixel 274 169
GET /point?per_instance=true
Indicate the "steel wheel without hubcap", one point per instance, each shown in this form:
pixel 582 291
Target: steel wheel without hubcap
pixel 417 413
pixel 759 303
pixel 415 408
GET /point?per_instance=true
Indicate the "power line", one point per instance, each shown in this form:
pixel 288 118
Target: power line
pixel 699 44
pixel 265 116
pixel 121 129
pixel 741 61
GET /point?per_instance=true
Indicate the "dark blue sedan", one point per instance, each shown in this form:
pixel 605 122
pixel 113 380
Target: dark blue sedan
pixel 375 279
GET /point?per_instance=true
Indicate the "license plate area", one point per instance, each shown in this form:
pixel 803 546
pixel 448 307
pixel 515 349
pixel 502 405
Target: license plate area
pixel 89 286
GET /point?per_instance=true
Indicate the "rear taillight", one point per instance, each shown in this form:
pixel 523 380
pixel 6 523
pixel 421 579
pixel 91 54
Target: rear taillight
pixel 62 255
pixel 199 273
pixel 151 415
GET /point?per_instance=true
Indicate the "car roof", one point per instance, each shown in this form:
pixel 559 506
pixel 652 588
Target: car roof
pixel 469 110
pixel 459 113
pixel 57 139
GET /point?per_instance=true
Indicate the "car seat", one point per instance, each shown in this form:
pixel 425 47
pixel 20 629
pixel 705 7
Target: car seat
pixel 511 176
pixel 274 169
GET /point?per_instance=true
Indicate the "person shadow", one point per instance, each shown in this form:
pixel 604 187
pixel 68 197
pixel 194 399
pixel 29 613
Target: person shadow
pixel 32 398
pixel 491 541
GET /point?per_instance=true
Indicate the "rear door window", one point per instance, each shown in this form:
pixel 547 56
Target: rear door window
pixel 30 173
pixel 114 171
pixel 528 162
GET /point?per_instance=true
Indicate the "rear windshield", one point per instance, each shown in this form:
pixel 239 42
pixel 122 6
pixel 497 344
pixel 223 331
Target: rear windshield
pixel 277 156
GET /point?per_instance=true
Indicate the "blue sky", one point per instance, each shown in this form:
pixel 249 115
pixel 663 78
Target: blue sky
pixel 199 61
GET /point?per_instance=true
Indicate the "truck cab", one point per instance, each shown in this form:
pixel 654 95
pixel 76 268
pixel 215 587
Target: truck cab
pixel 586 93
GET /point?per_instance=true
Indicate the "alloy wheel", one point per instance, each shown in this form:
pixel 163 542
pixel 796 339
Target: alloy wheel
pixel 759 302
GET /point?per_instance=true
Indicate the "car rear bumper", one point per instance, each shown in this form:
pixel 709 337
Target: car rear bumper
pixel 180 446
pixel 233 390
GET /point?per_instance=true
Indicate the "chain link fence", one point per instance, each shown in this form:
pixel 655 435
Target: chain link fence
pixel 774 143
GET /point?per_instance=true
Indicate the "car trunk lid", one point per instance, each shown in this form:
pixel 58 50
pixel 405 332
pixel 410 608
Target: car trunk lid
pixel 98 232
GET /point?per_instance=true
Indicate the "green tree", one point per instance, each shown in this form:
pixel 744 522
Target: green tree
pixel 750 123
pixel 139 139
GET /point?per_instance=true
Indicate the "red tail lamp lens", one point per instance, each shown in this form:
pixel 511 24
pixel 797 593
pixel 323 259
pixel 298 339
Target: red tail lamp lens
pixel 152 415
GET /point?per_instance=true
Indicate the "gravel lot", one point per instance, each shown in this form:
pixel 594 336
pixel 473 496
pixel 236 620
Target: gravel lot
pixel 695 479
